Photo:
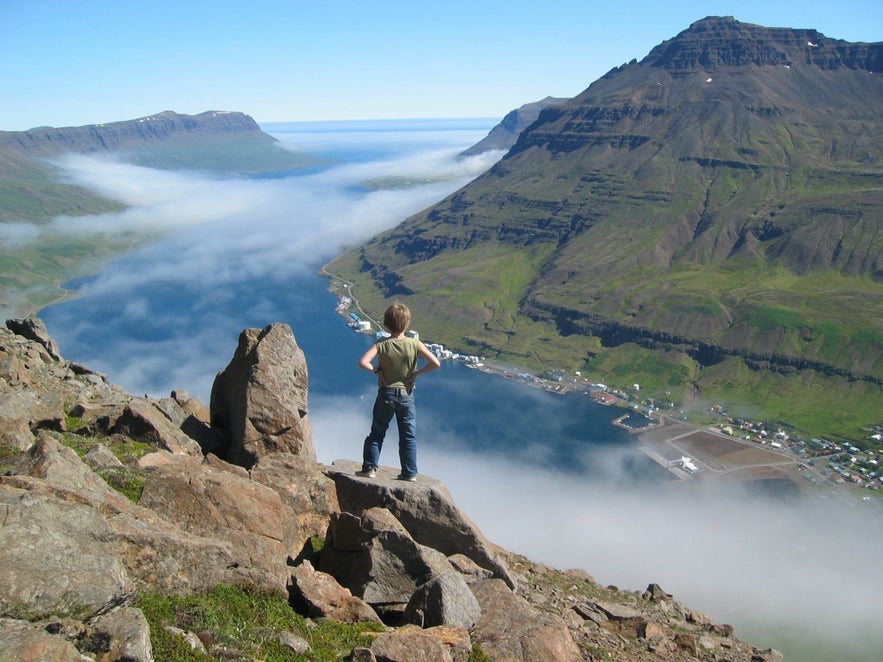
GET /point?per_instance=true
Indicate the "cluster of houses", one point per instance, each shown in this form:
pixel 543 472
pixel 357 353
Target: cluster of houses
pixel 837 462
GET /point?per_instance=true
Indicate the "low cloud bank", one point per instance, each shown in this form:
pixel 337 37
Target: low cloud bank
pixel 798 575
pixel 230 247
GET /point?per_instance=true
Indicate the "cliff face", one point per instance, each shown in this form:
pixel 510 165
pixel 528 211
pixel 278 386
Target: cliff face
pixel 720 191
pixel 146 504
pixel 129 134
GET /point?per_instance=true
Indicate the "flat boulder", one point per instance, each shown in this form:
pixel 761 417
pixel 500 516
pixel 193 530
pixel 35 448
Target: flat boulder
pixel 426 509
pixel 54 559
pixel 217 504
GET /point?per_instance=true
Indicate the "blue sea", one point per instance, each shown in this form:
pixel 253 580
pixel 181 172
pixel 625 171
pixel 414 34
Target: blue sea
pixel 542 474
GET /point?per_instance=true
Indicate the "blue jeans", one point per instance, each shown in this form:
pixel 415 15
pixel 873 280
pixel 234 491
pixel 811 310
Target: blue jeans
pixel 399 403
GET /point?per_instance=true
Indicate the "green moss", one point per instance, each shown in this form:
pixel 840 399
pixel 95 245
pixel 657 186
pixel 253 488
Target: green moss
pixel 125 481
pixel 247 621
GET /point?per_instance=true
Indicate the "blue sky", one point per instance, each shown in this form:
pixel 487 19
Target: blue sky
pixel 68 63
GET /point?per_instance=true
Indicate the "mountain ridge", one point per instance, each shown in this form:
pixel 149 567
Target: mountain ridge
pixel 722 192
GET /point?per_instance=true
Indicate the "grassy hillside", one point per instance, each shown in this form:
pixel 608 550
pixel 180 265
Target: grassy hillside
pixel 707 222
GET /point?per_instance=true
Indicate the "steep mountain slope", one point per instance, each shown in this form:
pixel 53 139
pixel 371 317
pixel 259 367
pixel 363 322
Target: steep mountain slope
pixel 505 134
pixel 720 199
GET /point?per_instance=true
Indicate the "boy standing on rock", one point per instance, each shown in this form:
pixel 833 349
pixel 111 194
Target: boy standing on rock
pixel 396 371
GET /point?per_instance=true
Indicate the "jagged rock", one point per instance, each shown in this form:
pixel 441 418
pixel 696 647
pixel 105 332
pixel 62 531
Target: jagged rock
pixel 28 409
pixel 190 421
pixel 767 655
pixel 317 594
pixel 143 420
pixel 410 644
pixel 510 629
pixel 59 465
pixel 443 600
pixel 15 432
pixel 259 401
pixel 217 504
pixel 100 457
pixel 687 642
pixel 650 630
pixel 22 640
pixel 590 612
pixel 655 593
pixel 128 633
pixel 616 612
pixel 471 571
pixel 35 329
pixel 375 557
pixel 425 508
pixel 305 489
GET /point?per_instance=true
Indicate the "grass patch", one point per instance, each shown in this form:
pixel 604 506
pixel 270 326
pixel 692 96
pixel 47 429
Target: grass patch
pixel 126 479
pixel 246 621
pixel 8 457
pixel 127 482
pixel 767 318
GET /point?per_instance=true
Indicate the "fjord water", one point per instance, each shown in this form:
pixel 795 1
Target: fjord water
pixel 542 474
pixel 145 319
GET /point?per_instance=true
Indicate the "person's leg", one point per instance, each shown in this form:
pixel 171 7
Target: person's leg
pixel 384 408
pixel 406 419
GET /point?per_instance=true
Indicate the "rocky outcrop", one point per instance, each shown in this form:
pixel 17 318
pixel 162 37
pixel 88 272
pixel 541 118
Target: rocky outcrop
pixel 81 535
pixel 426 510
pixel 259 401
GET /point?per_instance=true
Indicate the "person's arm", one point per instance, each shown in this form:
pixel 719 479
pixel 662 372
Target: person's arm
pixel 367 358
pixel 365 363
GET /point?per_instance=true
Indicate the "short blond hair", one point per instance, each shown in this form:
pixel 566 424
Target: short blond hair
pixel 397 318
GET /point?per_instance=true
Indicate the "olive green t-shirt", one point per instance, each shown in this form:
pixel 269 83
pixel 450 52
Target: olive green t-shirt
pixel 398 359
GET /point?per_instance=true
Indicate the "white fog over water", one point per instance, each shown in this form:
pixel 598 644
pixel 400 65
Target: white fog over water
pixel 798 576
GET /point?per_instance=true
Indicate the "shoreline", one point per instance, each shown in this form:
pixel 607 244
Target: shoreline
pixel 686 450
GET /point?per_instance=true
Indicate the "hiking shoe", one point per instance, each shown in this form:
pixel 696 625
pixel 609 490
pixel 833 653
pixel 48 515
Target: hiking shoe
pixel 370 473
pixel 410 479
